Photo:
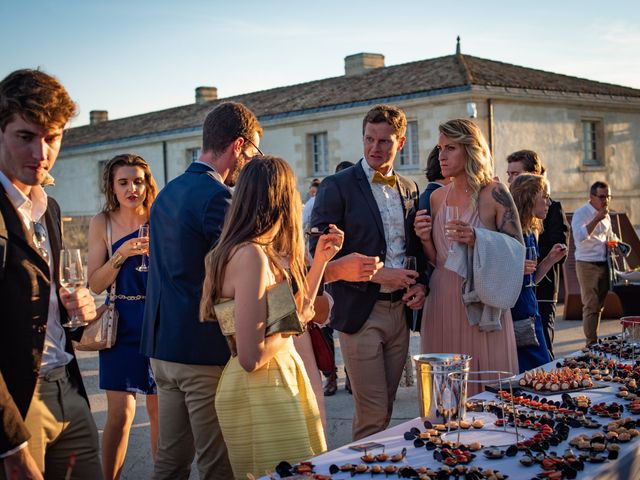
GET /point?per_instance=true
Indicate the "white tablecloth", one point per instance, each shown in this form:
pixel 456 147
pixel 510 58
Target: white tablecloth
pixel 626 467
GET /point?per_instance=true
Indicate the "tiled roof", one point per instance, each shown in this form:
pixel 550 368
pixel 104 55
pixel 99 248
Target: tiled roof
pixel 433 75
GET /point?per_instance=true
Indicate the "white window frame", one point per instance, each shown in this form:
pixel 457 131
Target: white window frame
pixel 592 142
pixel 319 153
pixel 192 154
pixel 409 156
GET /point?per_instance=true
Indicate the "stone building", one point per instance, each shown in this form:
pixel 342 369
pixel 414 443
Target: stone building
pixel 584 130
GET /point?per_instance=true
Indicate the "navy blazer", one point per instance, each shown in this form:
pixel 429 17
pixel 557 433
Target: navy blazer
pixel 186 222
pixel 345 199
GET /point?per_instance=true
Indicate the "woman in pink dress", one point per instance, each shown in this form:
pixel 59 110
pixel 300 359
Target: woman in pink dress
pixel 482 203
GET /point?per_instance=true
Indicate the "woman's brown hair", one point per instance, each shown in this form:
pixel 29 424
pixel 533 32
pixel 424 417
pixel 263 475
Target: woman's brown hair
pixel 524 189
pixel 126 160
pixel 265 200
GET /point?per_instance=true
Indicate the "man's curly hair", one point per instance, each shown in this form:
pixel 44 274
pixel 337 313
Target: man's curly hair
pixel 37 97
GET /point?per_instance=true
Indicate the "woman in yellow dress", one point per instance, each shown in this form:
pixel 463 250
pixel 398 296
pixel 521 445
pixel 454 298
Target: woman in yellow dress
pixel 265 403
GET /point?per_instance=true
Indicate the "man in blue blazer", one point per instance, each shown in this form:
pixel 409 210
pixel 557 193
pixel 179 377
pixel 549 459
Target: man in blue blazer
pixel 188 356
pixel 375 207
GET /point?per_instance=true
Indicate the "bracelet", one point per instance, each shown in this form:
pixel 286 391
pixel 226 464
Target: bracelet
pixel 117 260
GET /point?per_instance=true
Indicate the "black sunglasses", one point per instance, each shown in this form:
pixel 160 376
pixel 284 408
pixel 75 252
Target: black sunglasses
pixel 254 146
pixel 39 238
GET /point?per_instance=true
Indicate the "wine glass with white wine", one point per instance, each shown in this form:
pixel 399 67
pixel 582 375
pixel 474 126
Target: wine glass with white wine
pixel 451 214
pixel 143 232
pixel 71 278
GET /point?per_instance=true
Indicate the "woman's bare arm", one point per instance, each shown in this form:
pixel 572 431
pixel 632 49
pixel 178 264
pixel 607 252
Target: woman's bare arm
pixel 507 219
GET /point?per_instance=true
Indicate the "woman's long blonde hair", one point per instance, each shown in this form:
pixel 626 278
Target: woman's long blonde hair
pixel 524 189
pixel 478 156
pixel 265 199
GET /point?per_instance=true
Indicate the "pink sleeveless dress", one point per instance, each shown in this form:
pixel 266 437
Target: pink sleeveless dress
pixel 445 326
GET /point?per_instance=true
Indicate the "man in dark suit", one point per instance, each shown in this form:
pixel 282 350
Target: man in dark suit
pixel 376 209
pixel 555 230
pixel 188 356
pixel 45 417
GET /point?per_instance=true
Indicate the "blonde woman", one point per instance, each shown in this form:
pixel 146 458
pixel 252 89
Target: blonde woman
pixel 264 401
pixel 481 202
pixel 129 190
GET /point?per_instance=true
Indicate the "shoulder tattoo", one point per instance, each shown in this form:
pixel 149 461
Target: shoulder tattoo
pixel 510 223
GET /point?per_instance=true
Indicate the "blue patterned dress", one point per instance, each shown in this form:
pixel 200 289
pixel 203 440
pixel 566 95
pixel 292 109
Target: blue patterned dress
pixel 527 306
pixel 122 367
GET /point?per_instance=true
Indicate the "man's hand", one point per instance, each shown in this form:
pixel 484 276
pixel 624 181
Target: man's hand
pixel 79 302
pixel 601 214
pixel 415 296
pixel 395 278
pixel 354 267
pixel 21 465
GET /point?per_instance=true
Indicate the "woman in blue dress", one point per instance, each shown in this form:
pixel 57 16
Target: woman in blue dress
pixel 129 190
pixel 531 196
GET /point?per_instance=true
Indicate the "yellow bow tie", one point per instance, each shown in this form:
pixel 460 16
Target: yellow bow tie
pixel 379 178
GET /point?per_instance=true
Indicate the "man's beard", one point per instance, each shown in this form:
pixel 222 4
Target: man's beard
pixel 232 178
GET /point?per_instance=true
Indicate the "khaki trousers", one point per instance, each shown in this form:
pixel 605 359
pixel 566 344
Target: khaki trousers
pixel 375 357
pixel 188 422
pixel 60 423
pixel 594 286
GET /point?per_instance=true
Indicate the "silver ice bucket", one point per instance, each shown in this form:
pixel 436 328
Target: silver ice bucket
pixel 439 397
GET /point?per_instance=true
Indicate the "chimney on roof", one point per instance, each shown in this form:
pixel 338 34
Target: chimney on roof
pixel 206 94
pixel 98 116
pixel 362 62
pixel 458 45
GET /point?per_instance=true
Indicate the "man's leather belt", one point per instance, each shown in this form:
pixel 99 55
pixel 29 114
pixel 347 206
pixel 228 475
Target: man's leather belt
pixel 390 296
pixel 597 264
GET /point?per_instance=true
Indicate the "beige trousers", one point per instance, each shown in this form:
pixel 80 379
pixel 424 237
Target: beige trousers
pixel 188 422
pixel 594 286
pixel 61 424
pixel 375 357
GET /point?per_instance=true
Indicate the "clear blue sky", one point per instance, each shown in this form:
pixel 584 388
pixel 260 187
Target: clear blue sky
pixel 135 56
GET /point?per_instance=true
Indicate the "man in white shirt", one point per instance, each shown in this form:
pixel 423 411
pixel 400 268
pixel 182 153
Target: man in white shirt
pixel 46 426
pixel 591 226
pixel 308 207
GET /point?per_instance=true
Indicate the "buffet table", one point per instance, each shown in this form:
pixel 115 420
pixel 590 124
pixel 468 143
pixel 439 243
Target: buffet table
pixel 627 466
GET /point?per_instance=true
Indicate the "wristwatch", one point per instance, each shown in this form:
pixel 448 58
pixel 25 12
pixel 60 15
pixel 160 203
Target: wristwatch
pixel 117 260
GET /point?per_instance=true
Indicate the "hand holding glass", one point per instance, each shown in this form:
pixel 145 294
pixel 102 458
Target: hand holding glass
pixel 451 213
pixel 410 263
pixel 532 254
pixel 72 277
pixel 143 232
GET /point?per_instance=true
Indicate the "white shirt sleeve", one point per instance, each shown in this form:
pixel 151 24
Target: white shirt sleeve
pixel 579 225
pixel 13 450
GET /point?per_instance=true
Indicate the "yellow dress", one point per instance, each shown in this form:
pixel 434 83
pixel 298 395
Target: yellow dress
pixel 268 415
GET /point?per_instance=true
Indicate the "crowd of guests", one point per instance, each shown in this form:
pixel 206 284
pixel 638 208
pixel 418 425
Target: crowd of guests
pixel 227 238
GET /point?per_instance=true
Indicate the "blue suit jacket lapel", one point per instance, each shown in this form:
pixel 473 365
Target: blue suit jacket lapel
pixel 365 188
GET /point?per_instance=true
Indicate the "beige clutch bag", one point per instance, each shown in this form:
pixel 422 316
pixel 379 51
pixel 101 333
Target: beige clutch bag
pixel 282 315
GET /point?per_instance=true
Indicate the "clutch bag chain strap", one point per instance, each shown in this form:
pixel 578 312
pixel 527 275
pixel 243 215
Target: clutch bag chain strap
pixel 112 288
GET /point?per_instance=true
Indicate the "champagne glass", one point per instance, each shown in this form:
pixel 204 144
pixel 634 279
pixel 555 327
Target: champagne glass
pixel 410 263
pixel 143 232
pixel 532 254
pixel 72 277
pixel 451 213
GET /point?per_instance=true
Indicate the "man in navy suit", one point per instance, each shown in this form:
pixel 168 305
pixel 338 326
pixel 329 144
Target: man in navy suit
pixel 375 207
pixel 188 356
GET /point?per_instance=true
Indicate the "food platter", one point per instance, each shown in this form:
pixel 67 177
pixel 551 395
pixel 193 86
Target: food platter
pixel 494 388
